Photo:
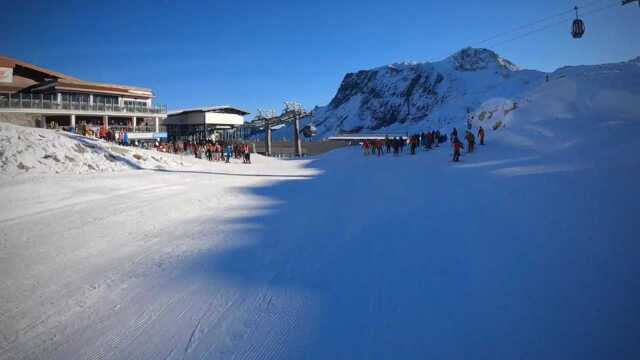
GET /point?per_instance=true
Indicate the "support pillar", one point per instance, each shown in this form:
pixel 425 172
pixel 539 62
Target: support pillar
pixel 267 142
pixel 73 121
pixel 157 119
pixel 105 121
pixel 134 123
pixel 296 136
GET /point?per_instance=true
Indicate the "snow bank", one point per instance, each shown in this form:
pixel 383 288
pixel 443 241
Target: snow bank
pixel 584 114
pixel 26 150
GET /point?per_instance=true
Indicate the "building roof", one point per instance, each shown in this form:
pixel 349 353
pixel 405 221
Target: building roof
pixel 46 78
pixel 6 61
pixel 218 109
pixel 79 85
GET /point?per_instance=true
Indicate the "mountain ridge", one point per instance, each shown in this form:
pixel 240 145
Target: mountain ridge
pixel 414 96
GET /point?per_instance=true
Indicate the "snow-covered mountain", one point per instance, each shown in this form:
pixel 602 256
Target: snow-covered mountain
pixel 438 95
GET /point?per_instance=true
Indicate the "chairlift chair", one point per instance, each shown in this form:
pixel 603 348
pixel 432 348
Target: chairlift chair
pixel 309 131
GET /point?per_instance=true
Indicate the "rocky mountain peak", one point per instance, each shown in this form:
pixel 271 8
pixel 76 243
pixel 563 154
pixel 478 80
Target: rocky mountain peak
pixel 473 59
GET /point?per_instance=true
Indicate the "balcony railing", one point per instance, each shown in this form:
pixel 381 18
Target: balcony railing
pixel 48 103
pixel 138 129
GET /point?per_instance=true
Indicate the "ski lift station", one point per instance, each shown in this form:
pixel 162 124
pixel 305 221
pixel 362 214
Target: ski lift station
pixel 206 123
pixel 34 96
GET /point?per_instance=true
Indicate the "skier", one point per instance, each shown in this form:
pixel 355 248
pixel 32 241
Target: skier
pixel 396 146
pixel 457 147
pixel 379 147
pixel 387 143
pixel 229 152
pixel 365 147
pixel 209 153
pixel 414 144
pixel 481 135
pixel 454 133
pixel 247 154
pixel 471 140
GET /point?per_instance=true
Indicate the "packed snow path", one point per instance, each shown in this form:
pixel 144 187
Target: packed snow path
pixel 509 257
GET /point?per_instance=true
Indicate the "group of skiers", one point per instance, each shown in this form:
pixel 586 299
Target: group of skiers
pixel 378 146
pixel 458 146
pixel 428 140
pixel 219 151
pixel 396 145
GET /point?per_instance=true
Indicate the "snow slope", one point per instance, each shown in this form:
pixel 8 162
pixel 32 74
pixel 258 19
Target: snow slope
pixel 526 250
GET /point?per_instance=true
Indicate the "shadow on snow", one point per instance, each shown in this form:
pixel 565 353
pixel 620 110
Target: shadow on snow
pixel 402 262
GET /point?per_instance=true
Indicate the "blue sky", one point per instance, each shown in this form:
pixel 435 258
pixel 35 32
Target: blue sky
pixel 257 54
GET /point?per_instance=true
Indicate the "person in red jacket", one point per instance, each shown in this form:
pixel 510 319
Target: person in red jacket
pixel 481 135
pixel 429 140
pixel 457 148
pixel 365 147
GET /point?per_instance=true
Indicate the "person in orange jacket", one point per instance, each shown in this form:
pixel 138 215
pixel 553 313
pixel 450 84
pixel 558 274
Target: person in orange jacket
pixel 471 140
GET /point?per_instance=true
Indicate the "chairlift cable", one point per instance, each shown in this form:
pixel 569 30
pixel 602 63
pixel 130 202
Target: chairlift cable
pixel 556 23
pixel 516 29
pixel 536 22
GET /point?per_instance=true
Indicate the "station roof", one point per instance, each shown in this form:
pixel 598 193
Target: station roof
pixel 6 61
pixel 43 78
pixel 217 109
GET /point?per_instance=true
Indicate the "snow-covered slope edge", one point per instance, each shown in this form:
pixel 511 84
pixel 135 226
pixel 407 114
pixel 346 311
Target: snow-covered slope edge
pixel 586 113
pixel 25 150
pixel 29 152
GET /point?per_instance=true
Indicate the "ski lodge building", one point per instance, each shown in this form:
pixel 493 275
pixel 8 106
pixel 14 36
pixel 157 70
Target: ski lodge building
pixel 35 96
pixel 206 123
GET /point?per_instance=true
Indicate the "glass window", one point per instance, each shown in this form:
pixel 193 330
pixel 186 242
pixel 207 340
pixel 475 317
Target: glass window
pixel 105 99
pixel 75 97
pixel 136 103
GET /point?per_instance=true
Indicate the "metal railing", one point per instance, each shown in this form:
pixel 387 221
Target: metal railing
pixel 49 103
pixel 148 129
pixel 130 129
pixel 367 136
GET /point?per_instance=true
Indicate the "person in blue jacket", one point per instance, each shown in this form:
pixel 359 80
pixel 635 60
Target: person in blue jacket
pixel 229 152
